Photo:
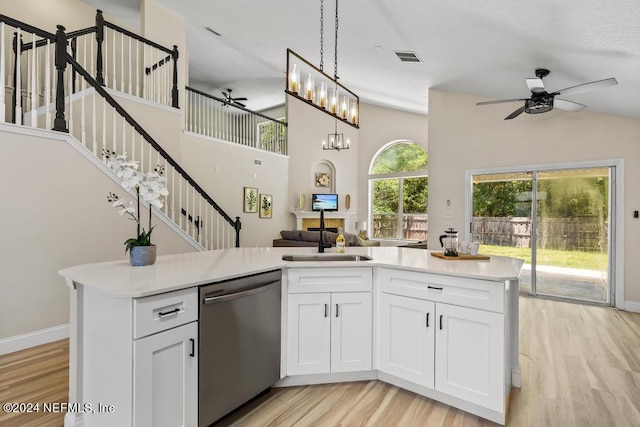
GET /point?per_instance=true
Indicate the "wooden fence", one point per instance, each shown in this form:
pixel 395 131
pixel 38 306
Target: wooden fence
pixel 582 233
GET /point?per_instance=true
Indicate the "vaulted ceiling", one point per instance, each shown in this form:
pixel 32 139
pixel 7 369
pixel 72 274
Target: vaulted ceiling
pixel 486 47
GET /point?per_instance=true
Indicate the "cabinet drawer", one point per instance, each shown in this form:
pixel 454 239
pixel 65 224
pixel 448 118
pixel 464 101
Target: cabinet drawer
pixel 348 279
pixel 160 312
pixel 474 293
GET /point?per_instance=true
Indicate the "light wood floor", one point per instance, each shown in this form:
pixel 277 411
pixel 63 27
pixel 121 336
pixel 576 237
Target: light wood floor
pixel 580 366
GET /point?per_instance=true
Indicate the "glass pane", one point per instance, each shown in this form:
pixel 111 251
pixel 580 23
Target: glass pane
pixel 401 157
pixel 572 234
pixel 502 217
pixel 385 209
pixel 414 205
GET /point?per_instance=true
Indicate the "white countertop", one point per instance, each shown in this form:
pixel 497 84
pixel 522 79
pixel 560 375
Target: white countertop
pixel 172 272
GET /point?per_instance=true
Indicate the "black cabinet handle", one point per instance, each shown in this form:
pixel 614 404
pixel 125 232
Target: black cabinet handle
pixel 427 320
pixel 326 312
pixel 193 347
pixel 167 313
pixel 434 287
pixel 337 308
pixel 441 321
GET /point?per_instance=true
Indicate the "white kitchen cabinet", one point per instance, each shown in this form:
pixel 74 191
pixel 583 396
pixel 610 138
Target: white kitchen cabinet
pixel 308 334
pixel 141 357
pixel 406 338
pixel 165 382
pixel 470 355
pixel 351 332
pixel 461 353
pixel 329 332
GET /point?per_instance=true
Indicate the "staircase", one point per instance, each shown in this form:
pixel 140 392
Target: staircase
pixel 69 82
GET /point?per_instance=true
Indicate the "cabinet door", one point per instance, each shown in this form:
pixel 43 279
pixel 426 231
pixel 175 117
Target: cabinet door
pixel 165 378
pixel 308 334
pixel 470 355
pixel 406 338
pixel 351 332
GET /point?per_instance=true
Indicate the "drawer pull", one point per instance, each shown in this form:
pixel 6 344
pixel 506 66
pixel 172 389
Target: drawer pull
pixel 169 313
pixel 434 287
pixel 337 308
pixel 427 320
pixel 193 347
pixel 326 310
pixel 441 322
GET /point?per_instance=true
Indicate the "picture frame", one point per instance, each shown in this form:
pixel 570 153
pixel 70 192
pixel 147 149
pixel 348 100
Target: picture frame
pixel 250 204
pixel 323 179
pixel 266 205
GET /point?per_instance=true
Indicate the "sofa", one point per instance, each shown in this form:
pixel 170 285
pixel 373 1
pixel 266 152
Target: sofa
pixel 291 238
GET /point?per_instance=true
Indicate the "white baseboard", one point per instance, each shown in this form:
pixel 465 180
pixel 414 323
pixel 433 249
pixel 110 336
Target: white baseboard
pixel 32 339
pixel 632 306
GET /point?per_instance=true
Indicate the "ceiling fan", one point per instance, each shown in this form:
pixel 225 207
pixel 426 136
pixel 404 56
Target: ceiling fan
pixel 229 100
pixel 542 101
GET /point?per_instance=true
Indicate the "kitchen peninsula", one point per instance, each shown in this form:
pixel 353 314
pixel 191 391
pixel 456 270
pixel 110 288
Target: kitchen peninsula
pixel 444 329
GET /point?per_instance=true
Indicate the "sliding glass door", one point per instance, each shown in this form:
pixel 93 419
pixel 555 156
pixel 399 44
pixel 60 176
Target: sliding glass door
pixel 557 220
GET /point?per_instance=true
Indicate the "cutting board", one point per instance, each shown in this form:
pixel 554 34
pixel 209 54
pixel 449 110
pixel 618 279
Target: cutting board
pixel 461 257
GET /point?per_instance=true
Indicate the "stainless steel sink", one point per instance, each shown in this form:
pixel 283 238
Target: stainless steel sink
pixel 326 257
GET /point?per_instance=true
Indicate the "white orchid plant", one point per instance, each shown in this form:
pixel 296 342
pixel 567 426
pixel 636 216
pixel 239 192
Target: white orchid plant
pixel 150 187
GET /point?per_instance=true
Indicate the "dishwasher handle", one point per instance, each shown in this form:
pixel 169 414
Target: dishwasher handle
pixel 241 294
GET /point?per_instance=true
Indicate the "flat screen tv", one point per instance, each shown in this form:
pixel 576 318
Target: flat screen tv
pixel 328 202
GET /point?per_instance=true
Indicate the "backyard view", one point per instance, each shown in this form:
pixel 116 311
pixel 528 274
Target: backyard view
pixel 561 230
pixel 400 193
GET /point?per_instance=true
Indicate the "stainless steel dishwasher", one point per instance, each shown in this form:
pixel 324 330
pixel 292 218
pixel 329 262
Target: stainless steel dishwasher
pixel 239 342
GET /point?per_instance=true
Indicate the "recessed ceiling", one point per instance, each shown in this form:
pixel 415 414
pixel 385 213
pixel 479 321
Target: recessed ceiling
pixel 486 48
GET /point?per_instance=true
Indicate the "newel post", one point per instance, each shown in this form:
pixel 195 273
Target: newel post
pixel 238 227
pixel 99 40
pixel 59 124
pixel 174 91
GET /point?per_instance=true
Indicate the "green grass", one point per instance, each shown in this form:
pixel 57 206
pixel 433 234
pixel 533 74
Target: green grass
pixel 553 257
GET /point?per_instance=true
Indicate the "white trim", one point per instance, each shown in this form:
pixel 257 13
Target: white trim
pixel 632 306
pixel 32 339
pixel 117 94
pixel 617 275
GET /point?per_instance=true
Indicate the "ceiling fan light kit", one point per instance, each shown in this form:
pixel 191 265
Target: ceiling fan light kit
pixel 542 101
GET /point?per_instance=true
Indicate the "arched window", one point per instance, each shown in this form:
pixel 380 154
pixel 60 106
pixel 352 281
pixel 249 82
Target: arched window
pixel 398 185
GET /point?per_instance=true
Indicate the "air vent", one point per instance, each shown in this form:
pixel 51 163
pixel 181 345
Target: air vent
pixel 212 31
pixel 257 161
pixel 407 56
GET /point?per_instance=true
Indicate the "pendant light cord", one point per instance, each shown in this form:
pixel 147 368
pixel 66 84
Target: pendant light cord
pixel 335 66
pixel 321 35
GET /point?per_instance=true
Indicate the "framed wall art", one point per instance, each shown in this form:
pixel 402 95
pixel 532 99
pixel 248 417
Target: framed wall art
pixel 265 205
pixel 323 179
pixel 250 200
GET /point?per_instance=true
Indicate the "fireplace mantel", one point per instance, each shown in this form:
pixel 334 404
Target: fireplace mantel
pixel 305 219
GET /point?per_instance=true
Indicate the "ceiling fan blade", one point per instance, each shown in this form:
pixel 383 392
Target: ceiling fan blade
pixel 515 113
pixel 501 101
pixel 535 85
pixel 239 104
pixel 241 99
pixel 225 94
pixel 585 87
pixel 563 104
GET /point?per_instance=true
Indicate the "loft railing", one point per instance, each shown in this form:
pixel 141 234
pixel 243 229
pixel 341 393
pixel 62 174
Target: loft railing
pixel 215 117
pixel 100 123
pixel 127 62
